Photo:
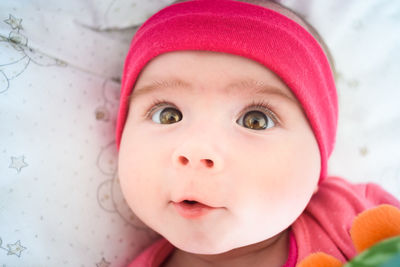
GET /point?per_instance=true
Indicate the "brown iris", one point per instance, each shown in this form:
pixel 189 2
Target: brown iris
pixel 255 120
pixel 170 115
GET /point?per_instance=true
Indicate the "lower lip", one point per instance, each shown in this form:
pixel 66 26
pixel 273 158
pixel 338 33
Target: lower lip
pixel 192 211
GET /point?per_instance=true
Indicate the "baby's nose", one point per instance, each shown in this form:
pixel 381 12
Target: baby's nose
pixel 199 157
pixel 208 163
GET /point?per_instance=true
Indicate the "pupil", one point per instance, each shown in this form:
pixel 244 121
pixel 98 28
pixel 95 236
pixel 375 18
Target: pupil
pixel 256 123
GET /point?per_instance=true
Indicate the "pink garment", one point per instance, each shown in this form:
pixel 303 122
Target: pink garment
pixel 158 252
pixel 326 222
pixel 323 226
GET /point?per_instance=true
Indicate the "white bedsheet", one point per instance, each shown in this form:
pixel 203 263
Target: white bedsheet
pixel 60 63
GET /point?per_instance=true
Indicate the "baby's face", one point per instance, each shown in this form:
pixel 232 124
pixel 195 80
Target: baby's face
pixel 257 166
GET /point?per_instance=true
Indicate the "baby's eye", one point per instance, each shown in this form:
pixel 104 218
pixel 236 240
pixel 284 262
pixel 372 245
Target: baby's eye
pixel 257 116
pixel 256 120
pixel 167 115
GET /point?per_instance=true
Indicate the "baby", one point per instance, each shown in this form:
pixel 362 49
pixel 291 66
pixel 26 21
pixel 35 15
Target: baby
pixel 228 116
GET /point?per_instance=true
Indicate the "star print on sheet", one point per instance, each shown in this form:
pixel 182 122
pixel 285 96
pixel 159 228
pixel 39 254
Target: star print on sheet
pixel 103 263
pixel 18 163
pixel 14 249
pixel 15 43
pixel 14 22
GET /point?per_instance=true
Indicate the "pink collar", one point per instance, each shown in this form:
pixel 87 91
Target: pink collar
pixel 157 253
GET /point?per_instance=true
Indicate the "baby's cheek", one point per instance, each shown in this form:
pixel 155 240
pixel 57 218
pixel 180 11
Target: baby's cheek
pixel 273 191
pixel 128 182
pixel 130 176
pixel 139 179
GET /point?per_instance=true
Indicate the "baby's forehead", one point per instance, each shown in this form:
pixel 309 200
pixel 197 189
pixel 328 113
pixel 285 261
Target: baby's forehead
pixel 235 88
pixel 206 72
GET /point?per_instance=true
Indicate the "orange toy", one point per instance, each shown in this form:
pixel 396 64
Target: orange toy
pixel 376 238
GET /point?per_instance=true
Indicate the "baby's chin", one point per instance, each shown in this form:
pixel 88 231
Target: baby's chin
pixel 213 244
pixel 206 249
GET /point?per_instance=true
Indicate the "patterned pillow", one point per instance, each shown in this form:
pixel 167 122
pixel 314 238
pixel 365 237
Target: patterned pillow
pixel 60 63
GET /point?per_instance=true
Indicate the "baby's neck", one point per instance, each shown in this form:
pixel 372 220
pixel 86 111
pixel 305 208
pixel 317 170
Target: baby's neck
pixel 273 252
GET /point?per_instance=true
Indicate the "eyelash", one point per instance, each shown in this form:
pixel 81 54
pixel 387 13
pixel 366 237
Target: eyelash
pixel 155 105
pixel 260 105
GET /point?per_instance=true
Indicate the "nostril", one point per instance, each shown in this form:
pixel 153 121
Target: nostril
pixel 208 162
pixel 183 160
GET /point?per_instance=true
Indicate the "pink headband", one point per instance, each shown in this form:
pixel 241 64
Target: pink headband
pixel 250 31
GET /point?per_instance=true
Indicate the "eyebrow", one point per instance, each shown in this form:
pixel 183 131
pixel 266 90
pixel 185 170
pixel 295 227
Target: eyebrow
pixel 257 86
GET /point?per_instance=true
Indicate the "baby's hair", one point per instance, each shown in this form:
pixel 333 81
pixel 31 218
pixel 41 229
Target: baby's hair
pixel 299 19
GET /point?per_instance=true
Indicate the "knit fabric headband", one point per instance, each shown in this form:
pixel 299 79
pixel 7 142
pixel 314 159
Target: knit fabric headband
pixel 250 31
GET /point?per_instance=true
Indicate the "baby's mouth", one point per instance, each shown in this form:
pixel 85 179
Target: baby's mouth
pixel 190 202
pixel 192 209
